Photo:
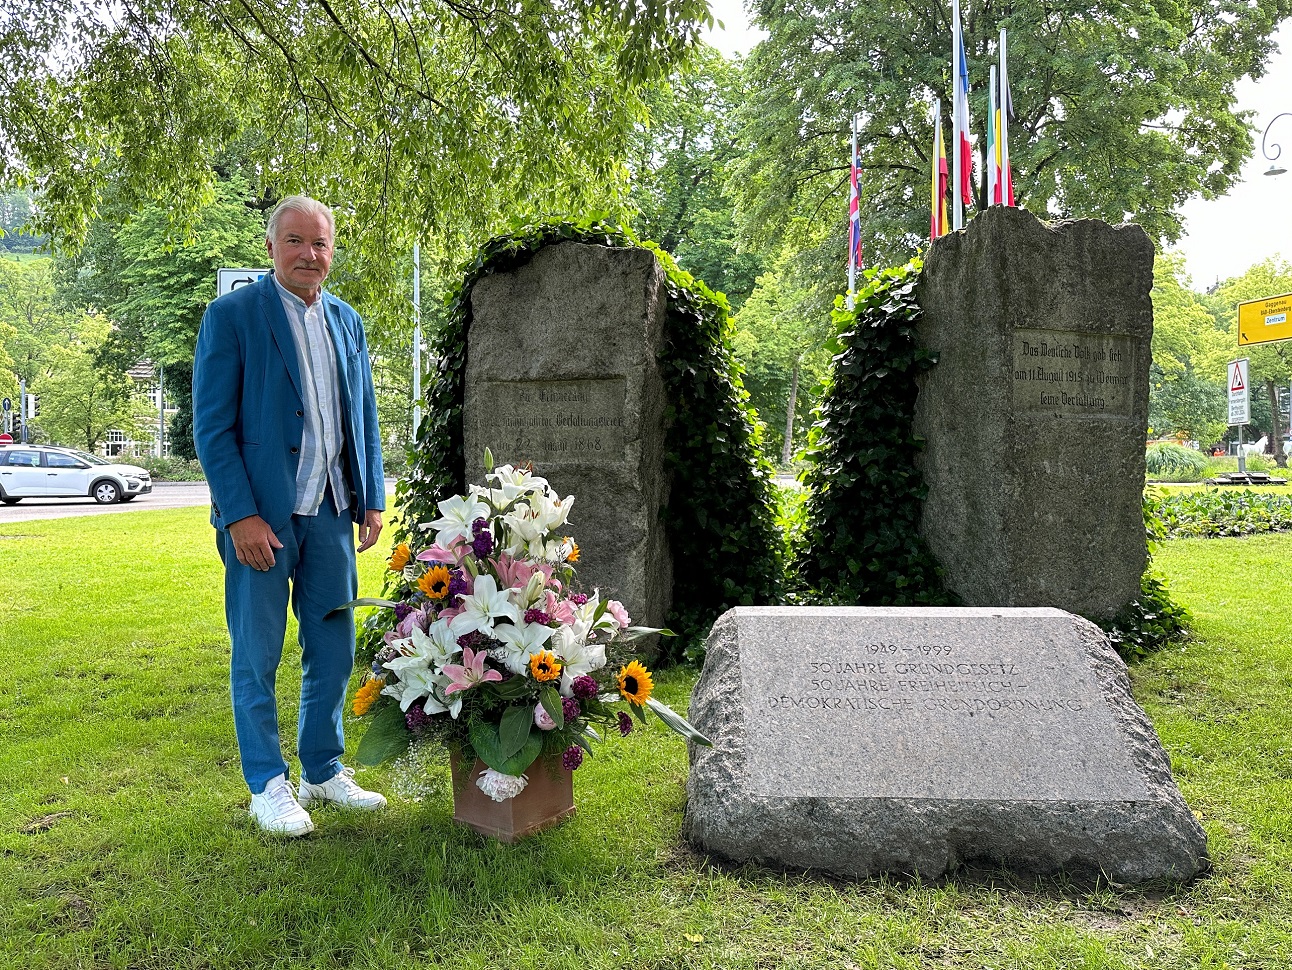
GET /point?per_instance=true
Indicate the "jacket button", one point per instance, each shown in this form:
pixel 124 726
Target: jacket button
pixel 295 450
pixel 300 414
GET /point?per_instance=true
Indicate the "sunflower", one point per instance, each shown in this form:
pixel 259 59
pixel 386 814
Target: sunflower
pixel 399 558
pixel 367 696
pixel 544 667
pixel 573 555
pixel 435 584
pixel 635 684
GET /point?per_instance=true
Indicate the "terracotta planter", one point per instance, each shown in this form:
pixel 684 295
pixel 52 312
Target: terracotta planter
pixel 547 800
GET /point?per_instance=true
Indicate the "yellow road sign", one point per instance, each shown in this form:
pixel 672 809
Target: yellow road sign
pixel 1260 321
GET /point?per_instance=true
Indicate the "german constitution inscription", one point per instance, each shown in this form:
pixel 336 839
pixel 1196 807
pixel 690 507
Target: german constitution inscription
pixel 576 421
pixel 973 705
pixel 1073 374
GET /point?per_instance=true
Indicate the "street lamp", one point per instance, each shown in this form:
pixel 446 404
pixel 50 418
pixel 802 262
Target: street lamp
pixel 1275 168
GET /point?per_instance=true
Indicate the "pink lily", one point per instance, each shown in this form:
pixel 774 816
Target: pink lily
pixel 512 573
pixel 456 551
pixel 560 610
pixel 470 672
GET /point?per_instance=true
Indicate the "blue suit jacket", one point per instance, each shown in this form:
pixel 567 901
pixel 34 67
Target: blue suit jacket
pixel 247 406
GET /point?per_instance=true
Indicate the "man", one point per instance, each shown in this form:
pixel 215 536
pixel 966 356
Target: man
pixel 285 424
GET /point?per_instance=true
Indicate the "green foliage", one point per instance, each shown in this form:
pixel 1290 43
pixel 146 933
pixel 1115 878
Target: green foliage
pixel 1152 620
pixel 721 513
pixel 1217 512
pixel 418 121
pixel 862 543
pixel 1174 463
pixel 171 468
pixel 1122 109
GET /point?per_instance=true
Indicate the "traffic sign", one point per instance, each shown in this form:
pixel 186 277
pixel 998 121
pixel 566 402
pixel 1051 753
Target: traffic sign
pixel 1240 402
pixel 6 438
pixel 6 405
pixel 1260 321
pixel 228 280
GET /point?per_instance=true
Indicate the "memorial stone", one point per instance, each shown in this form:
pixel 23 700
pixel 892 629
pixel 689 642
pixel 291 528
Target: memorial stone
pixel 1035 416
pixel 868 740
pixel 561 371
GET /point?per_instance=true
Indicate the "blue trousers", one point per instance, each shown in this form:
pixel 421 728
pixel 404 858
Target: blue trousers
pixel 316 567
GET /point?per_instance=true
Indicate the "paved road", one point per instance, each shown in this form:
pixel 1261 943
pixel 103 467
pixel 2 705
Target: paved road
pixel 165 495
pixel 176 495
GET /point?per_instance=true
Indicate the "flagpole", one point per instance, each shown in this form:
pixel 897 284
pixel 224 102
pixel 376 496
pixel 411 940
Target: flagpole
pixel 933 190
pixel 417 338
pixel 1003 134
pixel 852 250
pixel 993 137
pixel 957 207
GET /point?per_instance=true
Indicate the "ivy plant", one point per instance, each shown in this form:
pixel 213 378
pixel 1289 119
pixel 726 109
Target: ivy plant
pixel 721 515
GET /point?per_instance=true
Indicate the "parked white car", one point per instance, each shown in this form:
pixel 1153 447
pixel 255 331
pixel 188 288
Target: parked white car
pixel 31 471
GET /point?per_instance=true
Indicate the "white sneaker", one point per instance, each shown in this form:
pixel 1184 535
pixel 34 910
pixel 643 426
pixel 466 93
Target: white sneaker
pixel 277 811
pixel 340 789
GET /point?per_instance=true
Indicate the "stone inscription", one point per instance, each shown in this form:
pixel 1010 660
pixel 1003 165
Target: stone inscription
pixel 923 717
pixel 1074 375
pixel 552 421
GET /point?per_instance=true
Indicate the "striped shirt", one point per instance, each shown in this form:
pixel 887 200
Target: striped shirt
pixel 324 434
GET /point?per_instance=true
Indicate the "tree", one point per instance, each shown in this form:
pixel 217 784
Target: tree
pixel 417 120
pixel 80 400
pixel 37 320
pixel 1186 389
pixel 1271 363
pixel 154 283
pixel 783 353
pixel 679 163
pixel 1124 111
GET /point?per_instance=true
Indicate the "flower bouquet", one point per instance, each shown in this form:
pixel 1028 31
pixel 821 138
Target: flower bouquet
pixel 491 649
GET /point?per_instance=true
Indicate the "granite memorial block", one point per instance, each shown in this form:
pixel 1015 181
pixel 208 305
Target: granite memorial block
pixel 868 740
pixel 1035 416
pixel 561 371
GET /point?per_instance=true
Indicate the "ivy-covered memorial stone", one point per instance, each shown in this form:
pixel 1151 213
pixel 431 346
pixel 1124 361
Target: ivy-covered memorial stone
pixel 591 356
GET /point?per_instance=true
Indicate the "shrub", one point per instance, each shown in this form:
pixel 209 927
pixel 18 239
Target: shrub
pixel 1174 463
pixel 1215 513
pixel 169 468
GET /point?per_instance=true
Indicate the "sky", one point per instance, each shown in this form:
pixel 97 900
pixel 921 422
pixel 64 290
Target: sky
pixel 1224 236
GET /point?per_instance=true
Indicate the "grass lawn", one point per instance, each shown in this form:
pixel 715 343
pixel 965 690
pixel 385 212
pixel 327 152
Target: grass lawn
pixel 124 839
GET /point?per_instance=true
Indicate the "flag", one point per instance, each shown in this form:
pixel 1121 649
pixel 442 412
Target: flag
pixel 961 113
pixel 938 183
pixel 1005 110
pixel 854 212
pixel 993 143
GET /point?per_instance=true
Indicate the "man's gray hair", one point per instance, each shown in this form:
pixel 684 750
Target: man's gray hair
pixel 304 205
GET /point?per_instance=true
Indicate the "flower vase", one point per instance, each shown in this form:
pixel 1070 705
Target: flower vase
pixel 546 801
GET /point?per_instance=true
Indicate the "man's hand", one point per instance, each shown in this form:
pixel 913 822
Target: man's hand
pixel 369 529
pixel 254 542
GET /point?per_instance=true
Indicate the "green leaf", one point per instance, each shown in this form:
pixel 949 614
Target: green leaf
pixel 551 702
pixel 514 730
pixel 364 601
pixel 677 722
pixel 488 747
pixel 386 738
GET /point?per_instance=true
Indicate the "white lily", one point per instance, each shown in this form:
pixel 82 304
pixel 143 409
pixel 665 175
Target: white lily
pixel 515 482
pixel 438 645
pixel 551 510
pixel 578 656
pixel 531 594
pixel 416 680
pixel 456 516
pixel 520 642
pixel 436 703
pixel 479 610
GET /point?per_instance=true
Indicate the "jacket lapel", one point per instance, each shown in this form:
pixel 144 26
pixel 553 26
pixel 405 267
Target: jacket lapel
pixel 332 317
pixel 271 303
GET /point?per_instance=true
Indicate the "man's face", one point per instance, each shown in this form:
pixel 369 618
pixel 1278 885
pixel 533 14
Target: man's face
pixel 302 252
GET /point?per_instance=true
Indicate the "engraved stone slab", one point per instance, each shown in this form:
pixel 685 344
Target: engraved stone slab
pixel 1035 416
pixel 861 740
pixel 562 372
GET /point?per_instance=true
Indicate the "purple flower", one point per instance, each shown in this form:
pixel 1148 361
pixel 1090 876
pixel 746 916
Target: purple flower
pixel 572 758
pixel 578 599
pixel 478 526
pixel 482 545
pixel 417 719
pixel 571 708
pixel 625 724
pixel 402 610
pixel 583 687
pixel 472 639
pixel 537 616
pixel 458 585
